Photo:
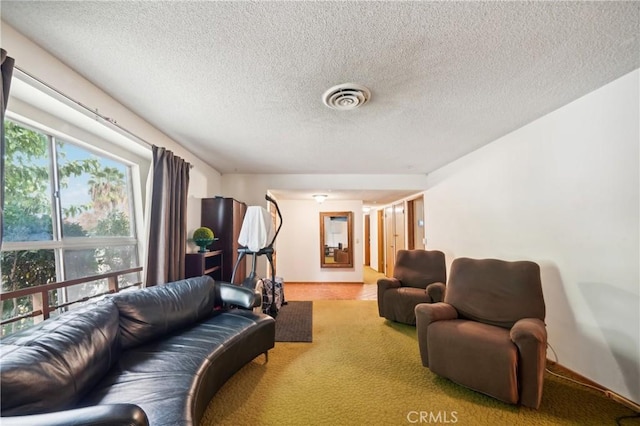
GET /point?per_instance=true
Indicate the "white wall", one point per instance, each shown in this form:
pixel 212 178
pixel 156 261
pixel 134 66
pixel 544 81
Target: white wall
pixel 298 245
pixel 562 191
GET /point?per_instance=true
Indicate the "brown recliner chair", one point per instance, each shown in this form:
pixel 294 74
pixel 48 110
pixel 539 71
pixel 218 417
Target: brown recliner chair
pixel 489 334
pixel 419 276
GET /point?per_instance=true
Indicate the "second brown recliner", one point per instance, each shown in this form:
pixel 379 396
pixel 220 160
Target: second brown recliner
pixel 489 333
pixel 419 276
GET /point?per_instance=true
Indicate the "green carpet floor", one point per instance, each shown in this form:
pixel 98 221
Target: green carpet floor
pixel 370 275
pixel 364 370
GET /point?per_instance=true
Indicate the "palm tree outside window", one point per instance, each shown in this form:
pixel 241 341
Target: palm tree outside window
pixel 68 214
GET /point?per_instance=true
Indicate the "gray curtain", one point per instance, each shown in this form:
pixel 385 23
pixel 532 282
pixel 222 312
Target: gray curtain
pixel 168 218
pixel 5 83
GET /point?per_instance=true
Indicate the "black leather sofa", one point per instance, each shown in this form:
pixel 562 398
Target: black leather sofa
pixel 154 356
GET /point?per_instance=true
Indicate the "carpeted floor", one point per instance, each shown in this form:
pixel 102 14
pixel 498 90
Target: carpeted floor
pixel 294 322
pixel 370 275
pixel 363 370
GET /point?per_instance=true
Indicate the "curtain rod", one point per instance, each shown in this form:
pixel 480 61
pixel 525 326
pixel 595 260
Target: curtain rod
pixel 108 120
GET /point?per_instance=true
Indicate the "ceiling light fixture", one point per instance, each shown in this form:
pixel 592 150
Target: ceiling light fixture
pixel 346 96
pixel 319 198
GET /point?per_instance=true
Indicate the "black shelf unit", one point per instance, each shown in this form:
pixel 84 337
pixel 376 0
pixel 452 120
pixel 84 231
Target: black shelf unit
pixel 208 263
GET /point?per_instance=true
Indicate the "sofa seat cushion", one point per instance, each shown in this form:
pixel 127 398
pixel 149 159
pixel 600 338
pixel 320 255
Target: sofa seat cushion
pixel 149 313
pixel 174 378
pixel 476 355
pixel 49 366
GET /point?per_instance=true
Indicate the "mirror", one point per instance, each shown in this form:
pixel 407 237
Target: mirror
pixel 336 239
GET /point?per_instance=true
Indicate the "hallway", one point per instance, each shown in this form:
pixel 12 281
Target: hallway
pixel 335 291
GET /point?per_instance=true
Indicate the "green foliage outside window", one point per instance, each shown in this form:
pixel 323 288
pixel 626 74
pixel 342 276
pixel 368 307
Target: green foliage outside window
pixel 28 216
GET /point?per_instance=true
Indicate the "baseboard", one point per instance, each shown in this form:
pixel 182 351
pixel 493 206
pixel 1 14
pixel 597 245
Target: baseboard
pixel 607 392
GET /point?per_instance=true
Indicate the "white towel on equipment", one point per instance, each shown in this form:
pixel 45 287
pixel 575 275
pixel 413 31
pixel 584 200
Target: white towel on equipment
pixel 257 230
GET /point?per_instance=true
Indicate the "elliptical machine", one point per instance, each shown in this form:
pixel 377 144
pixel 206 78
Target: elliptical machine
pixel 252 281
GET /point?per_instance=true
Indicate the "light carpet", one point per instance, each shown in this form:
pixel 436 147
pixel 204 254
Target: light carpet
pixel 370 275
pixel 364 370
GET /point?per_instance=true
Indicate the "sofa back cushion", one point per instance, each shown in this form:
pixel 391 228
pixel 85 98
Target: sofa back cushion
pixel 152 312
pixel 51 365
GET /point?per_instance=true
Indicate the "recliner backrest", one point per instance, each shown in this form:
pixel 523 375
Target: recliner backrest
pixel 495 292
pixel 419 268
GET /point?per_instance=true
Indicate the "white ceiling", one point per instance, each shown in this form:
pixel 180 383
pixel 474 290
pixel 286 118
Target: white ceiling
pixel 240 83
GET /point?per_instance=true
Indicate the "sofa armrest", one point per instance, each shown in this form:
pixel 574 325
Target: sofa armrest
pixel 97 415
pixel 427 313
pixel 530 336
pixel 383 285
pixel 236 295
pixel 436 292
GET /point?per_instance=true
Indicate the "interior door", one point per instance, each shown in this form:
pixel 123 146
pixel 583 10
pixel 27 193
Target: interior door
pixel 390 248
pixel 367 240
pixel 415 221
pixel 399 228
pixel 381 240
pixel 394 223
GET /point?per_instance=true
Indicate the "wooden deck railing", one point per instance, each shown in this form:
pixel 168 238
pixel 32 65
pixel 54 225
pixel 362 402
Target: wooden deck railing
pixel 40 294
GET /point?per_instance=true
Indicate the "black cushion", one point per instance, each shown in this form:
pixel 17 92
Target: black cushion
pixel 153 312
pixel 60 359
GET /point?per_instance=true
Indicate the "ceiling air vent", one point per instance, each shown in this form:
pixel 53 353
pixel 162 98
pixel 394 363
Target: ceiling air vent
pixel 346 96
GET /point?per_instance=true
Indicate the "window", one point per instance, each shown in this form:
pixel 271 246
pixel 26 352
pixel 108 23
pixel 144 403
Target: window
pixel 69 213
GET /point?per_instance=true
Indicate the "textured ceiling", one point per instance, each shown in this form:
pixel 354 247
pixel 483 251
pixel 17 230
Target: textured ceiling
pixel 240 83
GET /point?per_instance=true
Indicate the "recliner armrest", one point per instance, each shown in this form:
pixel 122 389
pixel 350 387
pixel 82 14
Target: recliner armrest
pixel 436 292
pixel 529 329
pixel 530 336
pixel 427 313
pixel 232 294
pixel 97 415
pixel 385 284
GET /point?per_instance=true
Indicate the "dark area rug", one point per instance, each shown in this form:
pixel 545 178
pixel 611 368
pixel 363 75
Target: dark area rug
pixel 294 322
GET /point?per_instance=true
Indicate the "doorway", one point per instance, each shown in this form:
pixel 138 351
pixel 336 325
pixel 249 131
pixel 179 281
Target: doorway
pixel 381 240
pixel 415 220
pixel 367 240
pixel 394 221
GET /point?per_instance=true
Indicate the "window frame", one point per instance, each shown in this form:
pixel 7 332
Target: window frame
pixel 59 244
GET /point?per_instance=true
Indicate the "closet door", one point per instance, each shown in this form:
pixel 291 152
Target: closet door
pixel 395 234
pixel 390 241
pixel 399 231
pixel 415 222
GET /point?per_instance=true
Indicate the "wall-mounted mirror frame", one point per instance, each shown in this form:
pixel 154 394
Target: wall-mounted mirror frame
pixel 336 239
